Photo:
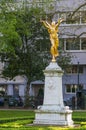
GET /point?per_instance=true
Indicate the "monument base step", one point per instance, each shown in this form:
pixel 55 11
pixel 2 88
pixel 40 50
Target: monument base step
pixel 53 118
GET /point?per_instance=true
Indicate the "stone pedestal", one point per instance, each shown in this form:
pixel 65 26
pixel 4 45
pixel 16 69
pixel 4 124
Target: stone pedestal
pixel 53 111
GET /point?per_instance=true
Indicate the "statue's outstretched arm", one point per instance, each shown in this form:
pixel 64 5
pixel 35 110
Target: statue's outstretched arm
pixel 46 24
pixel 59 22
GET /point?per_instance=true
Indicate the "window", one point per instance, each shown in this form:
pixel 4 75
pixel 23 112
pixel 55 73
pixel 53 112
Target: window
pixel 83 17
pixel 74 69
pixel 73 18
pixel 72 88
pixel 80 69
pixel 72 44
pixel 61 45
pixel 76 18
pixel 83 44
pixel 3 89
pixel 16 90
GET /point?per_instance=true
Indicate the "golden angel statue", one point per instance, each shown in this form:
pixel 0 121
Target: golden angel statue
pixel 53 32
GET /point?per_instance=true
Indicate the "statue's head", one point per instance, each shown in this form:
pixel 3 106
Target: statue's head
pixel 53 23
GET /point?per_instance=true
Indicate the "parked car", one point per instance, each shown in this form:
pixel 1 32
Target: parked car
pixel 11 101
pixel 15 101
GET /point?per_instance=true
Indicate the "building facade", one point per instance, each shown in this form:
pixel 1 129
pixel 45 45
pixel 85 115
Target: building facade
pixel 72 33
pixel 12 87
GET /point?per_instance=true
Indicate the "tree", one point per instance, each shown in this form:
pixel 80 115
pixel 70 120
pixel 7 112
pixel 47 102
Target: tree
pixel 20 42
pixel 24 29
pixel 9 37
pixel 24 41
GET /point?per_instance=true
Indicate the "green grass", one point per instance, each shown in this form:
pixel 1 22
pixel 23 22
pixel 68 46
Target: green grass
pixel 79 116
pixel 15 113
pixel 24 117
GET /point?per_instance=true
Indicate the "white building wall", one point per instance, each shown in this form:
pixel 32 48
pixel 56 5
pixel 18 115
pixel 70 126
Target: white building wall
pixel 22 90
pixel 69 5
pixel 10 90
pixel 20 81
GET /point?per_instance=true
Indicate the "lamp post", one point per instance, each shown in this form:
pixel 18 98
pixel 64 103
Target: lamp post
pixel 77 84
pixel 77 81
pixel 78 76
pixel 76 99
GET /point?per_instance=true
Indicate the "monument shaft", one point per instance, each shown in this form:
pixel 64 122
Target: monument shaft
pixel 53 90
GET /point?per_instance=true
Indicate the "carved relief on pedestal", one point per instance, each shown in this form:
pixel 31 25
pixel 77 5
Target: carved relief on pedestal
pixel 50 84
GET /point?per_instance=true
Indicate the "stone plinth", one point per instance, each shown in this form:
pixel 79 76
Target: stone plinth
pixel 53 111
